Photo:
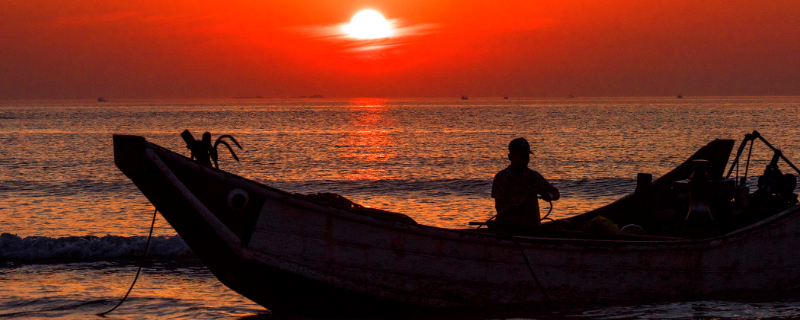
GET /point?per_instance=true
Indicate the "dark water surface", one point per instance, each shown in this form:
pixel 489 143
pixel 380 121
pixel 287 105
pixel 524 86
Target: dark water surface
pixel 73 226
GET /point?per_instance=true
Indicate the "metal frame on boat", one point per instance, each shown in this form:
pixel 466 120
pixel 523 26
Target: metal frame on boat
pixel 294 254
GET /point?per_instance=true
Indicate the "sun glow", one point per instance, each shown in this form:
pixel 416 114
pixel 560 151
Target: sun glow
pixel 368 24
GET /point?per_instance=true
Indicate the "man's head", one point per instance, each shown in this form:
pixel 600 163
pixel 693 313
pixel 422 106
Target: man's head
pixel 519 152
pixel 519 145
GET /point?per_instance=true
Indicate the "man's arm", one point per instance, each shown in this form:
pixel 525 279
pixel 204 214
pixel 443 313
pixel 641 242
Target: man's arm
pixel 551 195
pixel 547 190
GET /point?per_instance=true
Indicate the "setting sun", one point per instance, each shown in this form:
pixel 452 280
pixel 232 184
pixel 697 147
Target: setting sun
pixel 368 24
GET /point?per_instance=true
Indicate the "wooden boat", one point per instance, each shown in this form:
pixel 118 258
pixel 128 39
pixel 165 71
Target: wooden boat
pixel 296 254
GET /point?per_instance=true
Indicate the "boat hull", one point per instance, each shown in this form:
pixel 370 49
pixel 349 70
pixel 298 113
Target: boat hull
pixel 294 255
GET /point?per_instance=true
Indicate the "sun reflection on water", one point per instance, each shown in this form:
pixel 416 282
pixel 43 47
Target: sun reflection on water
pixel 367 139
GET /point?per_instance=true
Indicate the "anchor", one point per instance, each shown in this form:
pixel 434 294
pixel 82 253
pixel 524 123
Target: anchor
pixel 203 152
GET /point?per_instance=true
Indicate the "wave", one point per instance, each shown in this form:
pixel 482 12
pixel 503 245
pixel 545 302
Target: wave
pixel 67 188
pixel 429 187
pixel 90 248
pixel 588 188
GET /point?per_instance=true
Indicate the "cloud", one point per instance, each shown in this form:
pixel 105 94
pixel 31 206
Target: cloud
pixel 404 29
pixel 403 33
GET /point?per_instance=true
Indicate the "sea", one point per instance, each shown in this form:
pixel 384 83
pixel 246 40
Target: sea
pixel 73 227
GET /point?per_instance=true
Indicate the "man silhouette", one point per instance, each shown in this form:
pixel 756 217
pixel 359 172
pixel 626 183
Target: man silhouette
pixel 515 189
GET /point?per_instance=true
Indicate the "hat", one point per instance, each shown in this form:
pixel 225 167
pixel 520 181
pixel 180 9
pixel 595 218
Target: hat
pixel 519 145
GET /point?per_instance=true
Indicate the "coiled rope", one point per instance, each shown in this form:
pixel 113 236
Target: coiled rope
pixel 525 256
pixel 144 254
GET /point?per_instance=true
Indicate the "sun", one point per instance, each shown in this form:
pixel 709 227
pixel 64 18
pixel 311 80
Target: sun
pixel 368 24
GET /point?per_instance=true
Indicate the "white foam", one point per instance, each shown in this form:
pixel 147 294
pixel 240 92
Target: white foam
pixel 13 247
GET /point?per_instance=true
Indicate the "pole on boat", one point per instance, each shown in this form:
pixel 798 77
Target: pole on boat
pixel 750 137
pixel 777 151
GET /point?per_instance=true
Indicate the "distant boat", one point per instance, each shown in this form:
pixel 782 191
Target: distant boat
pixel 101 99
pixel 570 96
pixel 464 98
pixel 680 96
pixel 506 97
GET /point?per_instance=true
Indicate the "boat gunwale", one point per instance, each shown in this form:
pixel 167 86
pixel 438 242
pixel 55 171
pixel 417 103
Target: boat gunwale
pixel 473 236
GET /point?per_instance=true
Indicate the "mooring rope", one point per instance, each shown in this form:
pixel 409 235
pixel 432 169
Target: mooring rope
pixel 144 254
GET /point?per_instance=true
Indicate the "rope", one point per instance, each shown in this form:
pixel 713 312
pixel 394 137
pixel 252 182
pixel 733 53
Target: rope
pixel 533 274
pixel 144 254
pixel 548 212
pixel 525 256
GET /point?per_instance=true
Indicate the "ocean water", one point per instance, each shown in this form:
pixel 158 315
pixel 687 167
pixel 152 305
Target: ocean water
pixel 73 227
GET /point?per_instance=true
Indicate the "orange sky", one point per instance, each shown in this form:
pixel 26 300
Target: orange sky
pixel 200 48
